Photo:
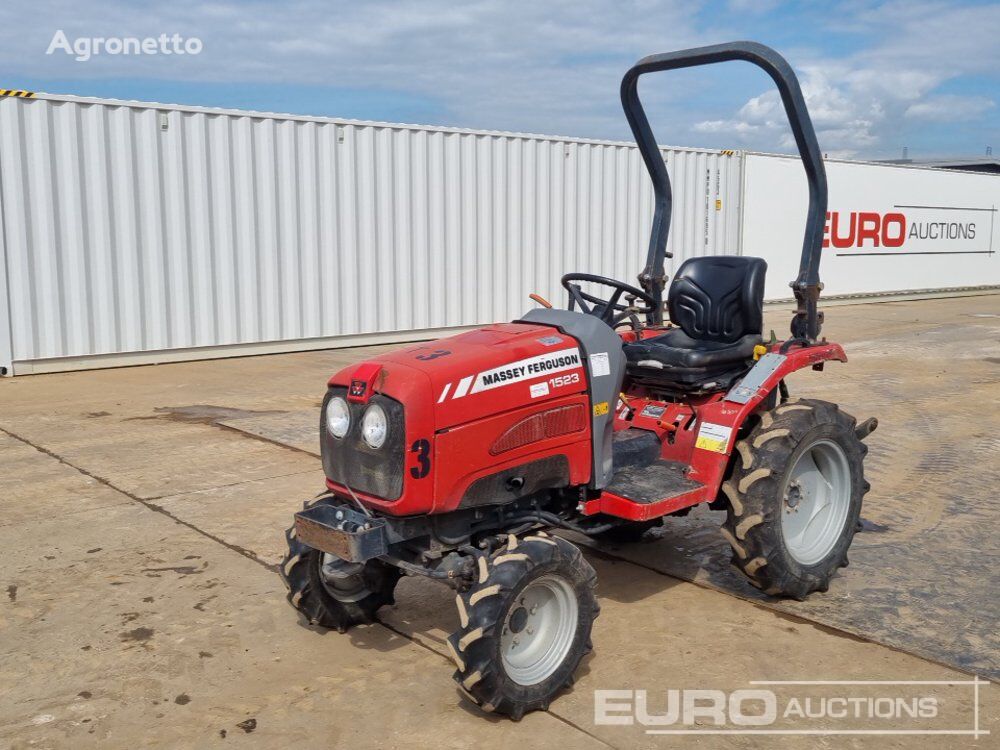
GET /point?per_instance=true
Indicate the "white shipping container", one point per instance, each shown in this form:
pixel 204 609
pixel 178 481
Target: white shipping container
pixel 140 232
pixel 135 232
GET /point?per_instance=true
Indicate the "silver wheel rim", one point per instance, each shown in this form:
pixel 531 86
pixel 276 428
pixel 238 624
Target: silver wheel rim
pixel 538 630
pixel 815 501
pixel 342 580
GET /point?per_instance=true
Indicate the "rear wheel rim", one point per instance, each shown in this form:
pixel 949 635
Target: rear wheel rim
pixel 339 582
pixel 815 501
pixel 538 630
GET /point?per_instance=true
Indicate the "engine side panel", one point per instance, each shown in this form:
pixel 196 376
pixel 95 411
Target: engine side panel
pixel 466 455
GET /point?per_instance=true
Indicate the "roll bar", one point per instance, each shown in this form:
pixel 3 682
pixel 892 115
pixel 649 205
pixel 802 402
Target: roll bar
pixel 807 321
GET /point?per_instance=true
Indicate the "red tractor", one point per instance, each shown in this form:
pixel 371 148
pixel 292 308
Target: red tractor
pixel 454 459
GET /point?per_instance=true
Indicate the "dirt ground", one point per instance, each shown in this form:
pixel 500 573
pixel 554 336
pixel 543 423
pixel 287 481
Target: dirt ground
pixel 143 511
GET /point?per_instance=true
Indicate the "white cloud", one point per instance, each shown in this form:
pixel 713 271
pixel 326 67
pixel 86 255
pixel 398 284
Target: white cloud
pixel 549 67
pixel 738 127
pixel 851 109
pixel 552 66
pixel 949 108
pixel 859 102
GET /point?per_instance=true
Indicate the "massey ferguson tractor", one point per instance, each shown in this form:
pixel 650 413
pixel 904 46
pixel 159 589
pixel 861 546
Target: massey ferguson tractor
pixel 462 459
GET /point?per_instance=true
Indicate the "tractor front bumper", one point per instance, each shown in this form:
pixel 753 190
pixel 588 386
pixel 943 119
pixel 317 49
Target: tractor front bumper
pixel 343 531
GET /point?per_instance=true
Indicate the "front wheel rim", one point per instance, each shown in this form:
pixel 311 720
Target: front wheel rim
pixel 815 501
pixel 538 630
pixel 340 581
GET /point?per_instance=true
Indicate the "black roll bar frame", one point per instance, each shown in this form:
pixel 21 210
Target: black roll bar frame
pixel 807 321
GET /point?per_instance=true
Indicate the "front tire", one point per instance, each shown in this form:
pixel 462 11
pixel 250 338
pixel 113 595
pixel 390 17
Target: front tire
pixel 794 498
pixel 525 624
pixel 332 593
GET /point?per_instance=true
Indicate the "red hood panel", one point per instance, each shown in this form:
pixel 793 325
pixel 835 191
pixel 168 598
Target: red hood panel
pixel 493 369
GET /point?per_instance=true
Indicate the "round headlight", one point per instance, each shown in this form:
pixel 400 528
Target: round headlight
pixel 374 426
pixel 338 417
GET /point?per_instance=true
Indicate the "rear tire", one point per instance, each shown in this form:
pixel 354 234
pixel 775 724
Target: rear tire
pixel 335 601
pixel 525 625
pixel 795 497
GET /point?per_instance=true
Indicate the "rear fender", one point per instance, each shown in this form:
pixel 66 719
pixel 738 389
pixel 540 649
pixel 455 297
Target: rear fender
pixel 719 421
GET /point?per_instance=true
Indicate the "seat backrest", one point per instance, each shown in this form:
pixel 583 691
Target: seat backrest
pixel 718 297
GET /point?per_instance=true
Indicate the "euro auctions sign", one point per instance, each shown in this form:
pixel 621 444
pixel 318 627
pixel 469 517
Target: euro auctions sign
pixel 888 228
pixel 908 230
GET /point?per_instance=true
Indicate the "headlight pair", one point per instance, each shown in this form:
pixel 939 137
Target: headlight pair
pixel 374 425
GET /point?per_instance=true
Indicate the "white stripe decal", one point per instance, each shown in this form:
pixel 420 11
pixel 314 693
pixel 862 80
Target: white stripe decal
pixel 463 387
pixel 444 393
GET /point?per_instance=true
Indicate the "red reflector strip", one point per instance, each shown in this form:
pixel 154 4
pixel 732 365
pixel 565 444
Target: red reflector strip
pixel 546 424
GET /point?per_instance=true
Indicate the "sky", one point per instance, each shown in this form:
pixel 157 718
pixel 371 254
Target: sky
pixel 878 76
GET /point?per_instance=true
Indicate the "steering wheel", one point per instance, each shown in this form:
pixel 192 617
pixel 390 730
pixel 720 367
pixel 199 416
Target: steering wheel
pixel 610 310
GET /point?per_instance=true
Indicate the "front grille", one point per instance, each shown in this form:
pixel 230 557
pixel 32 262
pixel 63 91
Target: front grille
pixel 350 460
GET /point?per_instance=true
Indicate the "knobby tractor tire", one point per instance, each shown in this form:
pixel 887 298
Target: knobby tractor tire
pixel 756 501
pixel 483 610
pixel 307 592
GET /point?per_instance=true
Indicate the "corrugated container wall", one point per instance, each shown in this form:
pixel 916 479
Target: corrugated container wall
pixel 148 228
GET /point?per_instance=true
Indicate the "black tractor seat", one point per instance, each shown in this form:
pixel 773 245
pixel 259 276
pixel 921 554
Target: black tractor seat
pixel 718 304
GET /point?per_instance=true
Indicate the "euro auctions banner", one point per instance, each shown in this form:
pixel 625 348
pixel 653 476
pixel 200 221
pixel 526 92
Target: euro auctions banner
pixel 888 228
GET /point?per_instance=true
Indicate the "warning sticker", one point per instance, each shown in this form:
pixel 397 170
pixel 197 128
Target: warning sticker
pixel 599 364
pixel 713 437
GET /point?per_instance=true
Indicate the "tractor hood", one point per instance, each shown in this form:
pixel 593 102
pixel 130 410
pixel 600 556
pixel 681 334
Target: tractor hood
pixel 479 373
